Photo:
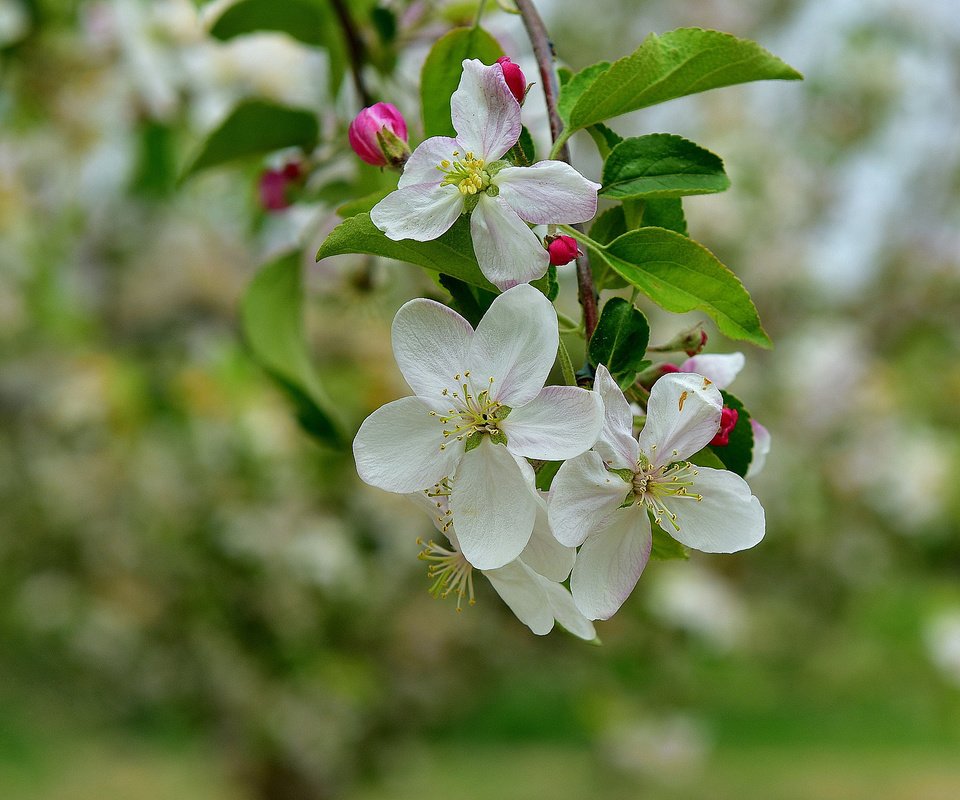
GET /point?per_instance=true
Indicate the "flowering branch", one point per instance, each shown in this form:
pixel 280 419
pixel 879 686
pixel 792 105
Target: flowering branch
pixel 543 50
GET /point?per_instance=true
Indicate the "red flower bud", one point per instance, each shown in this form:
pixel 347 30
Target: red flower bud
pixel 367 124
pixel 668 368
pixel 274 184
pixel 516 81
pixel 728 421
pixel 562 249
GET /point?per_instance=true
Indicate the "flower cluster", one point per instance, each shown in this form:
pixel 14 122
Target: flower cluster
pixel 468 444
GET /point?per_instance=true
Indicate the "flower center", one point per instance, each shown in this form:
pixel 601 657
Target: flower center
pixel 472 416
pixel 450 572
pixel 655 486
pixel 467 174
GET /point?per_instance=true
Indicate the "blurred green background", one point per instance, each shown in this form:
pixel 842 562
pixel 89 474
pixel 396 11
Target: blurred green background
pixel 197 601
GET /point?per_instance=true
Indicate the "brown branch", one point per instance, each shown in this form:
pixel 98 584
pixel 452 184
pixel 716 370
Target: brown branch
pixel 355 49
pixel 543 51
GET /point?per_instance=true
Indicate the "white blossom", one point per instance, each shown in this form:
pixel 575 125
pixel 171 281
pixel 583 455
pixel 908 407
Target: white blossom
pixel 479 401
pixel 446 177
pixel 605 497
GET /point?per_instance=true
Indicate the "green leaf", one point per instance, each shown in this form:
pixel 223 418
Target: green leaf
pixel 665 547
pixel 546 473
pixel 523 153
pixel 566 365
pixel 441 74
pixel 666 213
pixel 451 253
pixel 681 62
pixel 607 227
pixel 256 127
pixel 681 275
pixel 272 322
pixel 604 138
pixel 620 340
pixel 469 301
pixel 737 454
pixel 305 21
pixel 706 458
pixel 661 165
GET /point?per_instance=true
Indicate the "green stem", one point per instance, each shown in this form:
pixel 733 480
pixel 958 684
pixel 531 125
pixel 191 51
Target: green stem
pixel 480 8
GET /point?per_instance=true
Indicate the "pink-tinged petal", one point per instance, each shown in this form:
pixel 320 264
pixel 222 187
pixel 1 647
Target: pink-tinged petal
pixel 421 212
pixel 548 192
pixel 515 344
pixel 484 112
pixel 521 590
pixel 430 344
pixel 582 495
pixel 761 447
pixel 683 415
pixel 507 251
pixel 398 447
pixel 493 508
pixel 721 368
pixel 566 612
pixel 728 518
pixel 422 166
pixel 560 422
pixel 617 445
pixel 610 563
pixel 544 554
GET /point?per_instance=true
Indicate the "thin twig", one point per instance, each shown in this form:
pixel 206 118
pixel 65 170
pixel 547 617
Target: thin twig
pixel 543 51
pixel 355 49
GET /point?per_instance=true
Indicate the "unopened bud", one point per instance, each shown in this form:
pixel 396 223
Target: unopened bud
pixel 728 421
pixel 378 135
pixel 562 249
pixel 516 80
pixel 690 341
pixel 275 184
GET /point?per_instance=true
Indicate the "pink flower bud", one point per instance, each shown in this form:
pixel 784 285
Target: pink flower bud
pixel 367 124
pixel 562 249
pixel 274 186
pixel 516 81
pixel 695 349
pixel 728 421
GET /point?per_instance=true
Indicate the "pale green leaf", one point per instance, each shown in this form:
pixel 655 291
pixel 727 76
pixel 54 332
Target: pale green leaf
pixel 300 19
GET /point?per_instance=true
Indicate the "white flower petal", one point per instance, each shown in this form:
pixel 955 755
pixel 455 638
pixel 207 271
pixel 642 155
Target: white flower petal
pixel 583 493
pixel 430 344
pixel 616 445
pixel 761 447
pixel 683 415
pixel 484 112
pixel 521 590
pixel 421 212
pixel 507 251
pixel 721 368
pixel 544 554
pixel 566 612
pixel 398 447
pixel 610 563
pixel 559 423
pixel 728 519
pixel 548 192
pixel 493 507
pixel 516 345
pixel 422 166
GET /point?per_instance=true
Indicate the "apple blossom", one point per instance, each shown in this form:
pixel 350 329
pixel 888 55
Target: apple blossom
pixel 378 134
pixel 446 177
pixel 530 584
pixel 479 401
pixel 605 497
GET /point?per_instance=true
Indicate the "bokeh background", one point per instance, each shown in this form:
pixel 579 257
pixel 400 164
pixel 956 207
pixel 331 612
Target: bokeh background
pixel 199 601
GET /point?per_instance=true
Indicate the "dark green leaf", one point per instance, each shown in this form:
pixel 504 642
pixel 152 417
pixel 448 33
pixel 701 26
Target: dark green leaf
pixel 666 213
pixel 737 454
pixel 272 322
pixel 472 303
pixel 441 74
pixel 665 547
pixel 620 340
pixel 305 21
pixel 523 153
pixel 546 473
pixel 607 227
pixel 255 128
pixel 679 63
pixel 681 275
pixel 661 165
pixel 604 138
pixel 385 22
pixel 451 254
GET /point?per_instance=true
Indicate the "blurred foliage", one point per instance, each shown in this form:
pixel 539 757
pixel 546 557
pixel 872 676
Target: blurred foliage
pixel 195 594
